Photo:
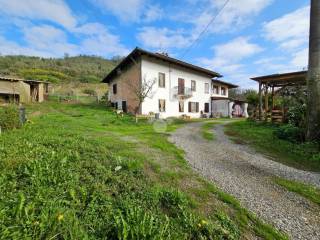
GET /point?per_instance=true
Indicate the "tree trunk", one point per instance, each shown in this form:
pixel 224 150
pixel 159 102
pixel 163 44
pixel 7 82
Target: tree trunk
pixel 313 79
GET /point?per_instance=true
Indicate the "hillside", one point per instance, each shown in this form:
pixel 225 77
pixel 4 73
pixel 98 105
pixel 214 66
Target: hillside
pixel 85 69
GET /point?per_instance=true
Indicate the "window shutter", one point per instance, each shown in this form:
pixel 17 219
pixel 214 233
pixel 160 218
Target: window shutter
pixel 189 106
pixel 197 107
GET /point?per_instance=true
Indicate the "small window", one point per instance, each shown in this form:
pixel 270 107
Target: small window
pixel 162 105
pixel 206 107
pixel 181 106
pixel 206 88
pixel 114 87
pixel 162 80
pixel 193 85
pixel 215 89
pixel 193 107
pixel 223 91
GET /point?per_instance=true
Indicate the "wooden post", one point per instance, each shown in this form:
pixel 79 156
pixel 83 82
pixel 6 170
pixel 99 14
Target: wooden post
pixel 266 102
pixel 272 95
pixel 260 100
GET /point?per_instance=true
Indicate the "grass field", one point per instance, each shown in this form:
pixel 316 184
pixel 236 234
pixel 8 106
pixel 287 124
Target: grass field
pixel 80 172
pixel 305 156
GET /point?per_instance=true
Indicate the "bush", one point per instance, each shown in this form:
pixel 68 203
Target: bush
pixel 9 117
pixel 297 115
pixel 290 132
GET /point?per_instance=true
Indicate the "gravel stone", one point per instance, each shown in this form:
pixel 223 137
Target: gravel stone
pixel 247 175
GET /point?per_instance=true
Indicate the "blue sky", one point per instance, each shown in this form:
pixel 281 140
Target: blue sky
pixel 248 38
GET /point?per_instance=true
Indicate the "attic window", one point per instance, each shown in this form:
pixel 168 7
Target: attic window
pixel 223 91
pixel 215 89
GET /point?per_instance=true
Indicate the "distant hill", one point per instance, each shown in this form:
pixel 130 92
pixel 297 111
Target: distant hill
pixel 85 69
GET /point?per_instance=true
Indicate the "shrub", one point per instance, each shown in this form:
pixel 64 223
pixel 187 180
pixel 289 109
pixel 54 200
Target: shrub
pixel 297 115
pixel 9 117
pixel 289 132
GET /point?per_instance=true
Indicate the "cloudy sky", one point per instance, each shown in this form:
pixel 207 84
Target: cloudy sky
pixel 248 38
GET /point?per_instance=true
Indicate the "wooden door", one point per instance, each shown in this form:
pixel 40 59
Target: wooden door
pixel 180 86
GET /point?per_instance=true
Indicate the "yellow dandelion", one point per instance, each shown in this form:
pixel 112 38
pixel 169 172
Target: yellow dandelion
pixel 60 217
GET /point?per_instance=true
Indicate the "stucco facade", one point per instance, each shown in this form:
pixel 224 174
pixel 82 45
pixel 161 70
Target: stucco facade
pixel 150 69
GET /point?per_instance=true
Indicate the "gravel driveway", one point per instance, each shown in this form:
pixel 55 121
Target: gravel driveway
pixel 247 175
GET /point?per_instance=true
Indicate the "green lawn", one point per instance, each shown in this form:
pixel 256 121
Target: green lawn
pixel 80 172
pixel 207 131
pixel 305 156
pixel 308 191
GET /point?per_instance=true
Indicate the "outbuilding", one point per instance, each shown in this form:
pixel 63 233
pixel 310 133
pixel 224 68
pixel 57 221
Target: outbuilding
pixel 19 90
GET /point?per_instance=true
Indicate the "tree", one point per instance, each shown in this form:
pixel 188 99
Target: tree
pixel 313 79
pixel 142 91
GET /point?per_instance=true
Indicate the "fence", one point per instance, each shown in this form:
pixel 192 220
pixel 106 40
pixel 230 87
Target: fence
pixel 75 98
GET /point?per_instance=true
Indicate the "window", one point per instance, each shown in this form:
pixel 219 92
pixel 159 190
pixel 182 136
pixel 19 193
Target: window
pixel 206 107
pixel 193 85
pixel 114 88
pixel 181 106
pixel 215 89
pixel 223 91
pixel 193 107
pixel 162 80
pixel 206 88
pixel 162 105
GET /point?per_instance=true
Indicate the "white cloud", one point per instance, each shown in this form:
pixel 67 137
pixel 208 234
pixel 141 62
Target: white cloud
pixel 234 16
pixel 126 10
pixel 152 13
pixel 227 56
pixel 300 59
pixel 100 41
pixel 52 10
pixel 11 48
pixel 227 60
pixel 291 30
pixel 163 38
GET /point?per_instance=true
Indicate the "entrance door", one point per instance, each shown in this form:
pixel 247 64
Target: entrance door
pixel 124 106
pixel 181 86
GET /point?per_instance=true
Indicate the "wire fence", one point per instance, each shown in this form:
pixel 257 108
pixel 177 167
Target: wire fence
pixel 75 98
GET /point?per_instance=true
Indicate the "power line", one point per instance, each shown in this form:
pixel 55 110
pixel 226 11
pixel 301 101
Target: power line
pixel 205 29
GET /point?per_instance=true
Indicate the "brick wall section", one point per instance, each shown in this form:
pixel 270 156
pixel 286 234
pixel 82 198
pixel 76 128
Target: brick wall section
pixel 125 91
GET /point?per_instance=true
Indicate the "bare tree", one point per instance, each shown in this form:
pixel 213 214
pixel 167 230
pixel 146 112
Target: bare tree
pixel 313 79
pixel 142 91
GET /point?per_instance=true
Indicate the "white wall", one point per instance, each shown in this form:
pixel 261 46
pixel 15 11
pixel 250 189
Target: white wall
pixel 150 69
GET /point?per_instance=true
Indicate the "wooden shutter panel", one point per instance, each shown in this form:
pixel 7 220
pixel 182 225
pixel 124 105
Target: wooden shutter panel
pixel 189 106
pixel 197 107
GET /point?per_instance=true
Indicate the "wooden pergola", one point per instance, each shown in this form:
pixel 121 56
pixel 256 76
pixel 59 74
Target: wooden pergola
pixel 273 82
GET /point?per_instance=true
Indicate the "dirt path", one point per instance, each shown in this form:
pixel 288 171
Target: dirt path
pixel 247 175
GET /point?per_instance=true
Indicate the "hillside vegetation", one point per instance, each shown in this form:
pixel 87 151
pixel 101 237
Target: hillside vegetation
pixel 86 69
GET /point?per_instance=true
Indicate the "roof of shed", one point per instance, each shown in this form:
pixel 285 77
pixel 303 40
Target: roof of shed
pixel 284 79
pixel 138 52
pixel 14 79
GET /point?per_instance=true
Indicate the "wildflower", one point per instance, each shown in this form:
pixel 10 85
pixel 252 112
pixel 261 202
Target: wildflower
pixel 60 217
pixel 204 222
pixel 36 223
pixel 118 168
pixel 199 225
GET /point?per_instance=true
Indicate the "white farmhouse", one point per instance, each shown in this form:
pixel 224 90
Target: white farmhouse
pixel 179 89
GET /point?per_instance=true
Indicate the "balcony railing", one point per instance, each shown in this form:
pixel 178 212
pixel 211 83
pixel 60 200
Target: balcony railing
pixel 182 92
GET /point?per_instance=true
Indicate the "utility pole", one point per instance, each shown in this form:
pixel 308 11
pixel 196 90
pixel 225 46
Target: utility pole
pixel 313 78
